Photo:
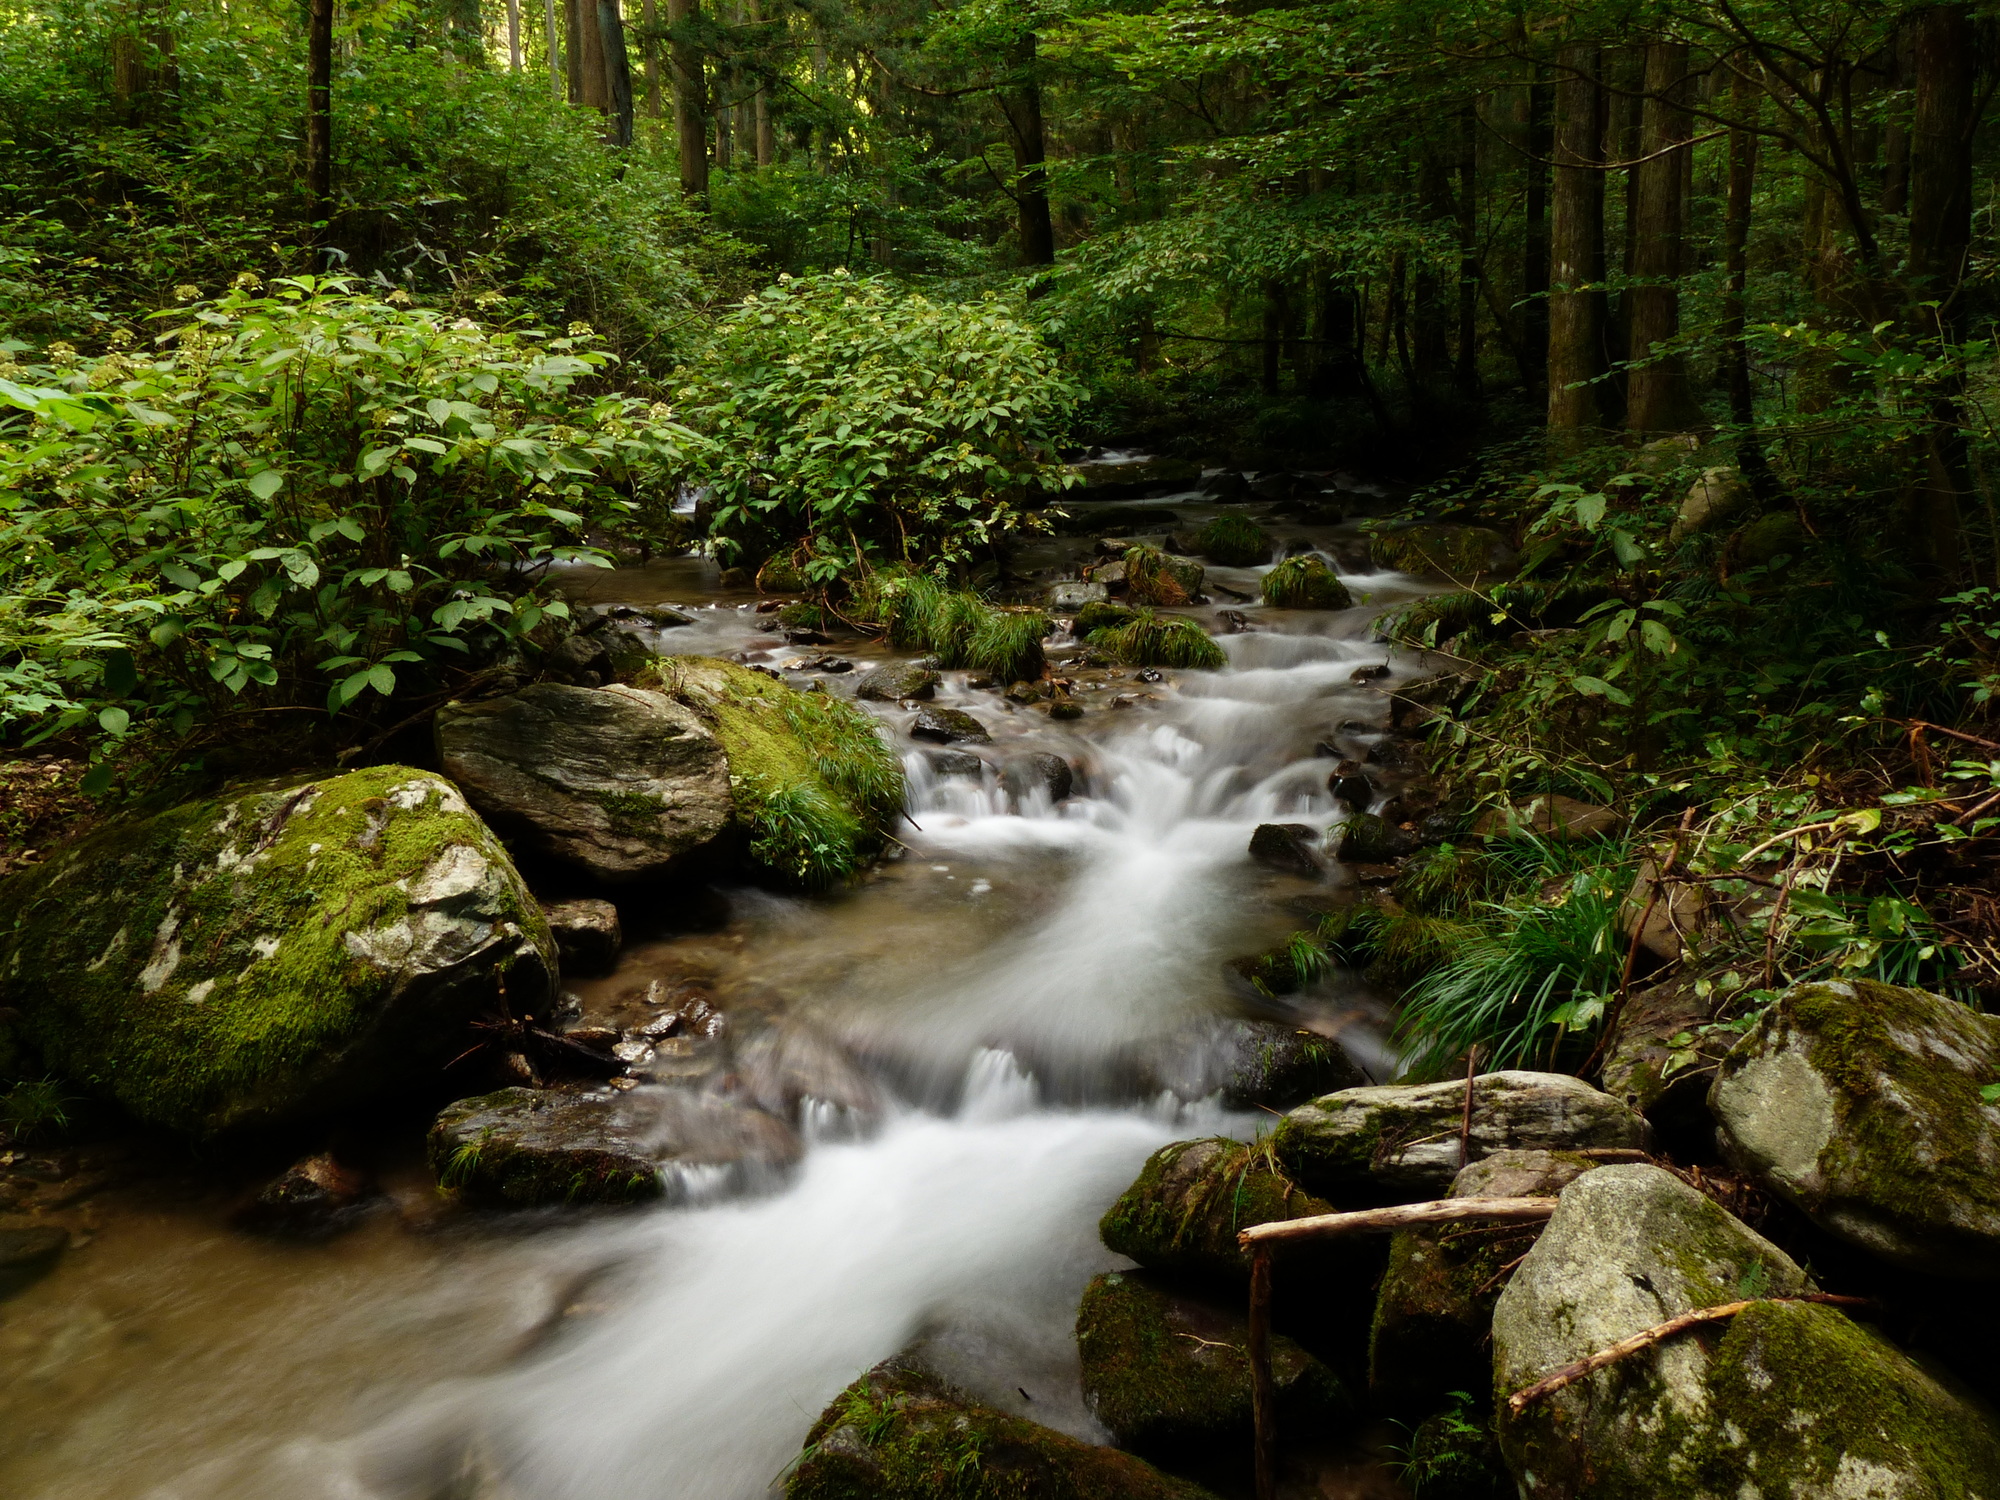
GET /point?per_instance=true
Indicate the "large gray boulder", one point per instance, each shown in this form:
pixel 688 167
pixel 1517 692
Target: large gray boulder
pixel 1861 1103
pixel 1402 1140
pixel 1786 1401
pixel 619 781
pixel 272 954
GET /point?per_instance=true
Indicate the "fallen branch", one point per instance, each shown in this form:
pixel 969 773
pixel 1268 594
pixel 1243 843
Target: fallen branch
pixel 1645 1338
pixel 1400 1216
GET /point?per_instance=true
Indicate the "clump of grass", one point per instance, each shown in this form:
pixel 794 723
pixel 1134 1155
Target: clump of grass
pixel 849 754
pixel 956 626
pixel 807 615
pixel 1152 577
pixel 1007 644
pixel 1444 879
pixel 1235 541
pixel 1305 582
pixel 1102 614
pixel 34 1108
pixel 1150 640
pixel 802 833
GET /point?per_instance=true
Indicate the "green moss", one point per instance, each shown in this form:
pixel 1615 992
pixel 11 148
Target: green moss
pixel 805 614
pixel 1102 614
pixel 633 815
pixel 1235 541
pixel 1153 577
pixel 1434 1312
pixel 1409 944
pixel 200 966
pixel 1150 640
pixel 520 1149
pixel 1455 552
pixel 957 627
pixel 1305 583
pixel 1190 1201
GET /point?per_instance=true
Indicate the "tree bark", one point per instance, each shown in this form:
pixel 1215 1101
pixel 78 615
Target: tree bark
pixel 690 94
pixel 617 73
pixel 555 49
pixel 1576 233
pixel 513 36
pixel 1535 255
pixel 1022 104
pixel 1744 98
pixel 1657 396
pixel 649 23
pixel 319 111
pixel 1465 374
pixel 1431 354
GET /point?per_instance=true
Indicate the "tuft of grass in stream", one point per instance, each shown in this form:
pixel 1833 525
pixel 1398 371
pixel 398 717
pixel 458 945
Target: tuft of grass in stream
pixel 1305 582
pixel 1150 640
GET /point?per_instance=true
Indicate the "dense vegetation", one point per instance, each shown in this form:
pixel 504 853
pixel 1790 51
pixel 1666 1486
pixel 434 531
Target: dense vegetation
pixel 320 346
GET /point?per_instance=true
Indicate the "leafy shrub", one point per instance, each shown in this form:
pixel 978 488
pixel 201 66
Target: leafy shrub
pixel 1235 541
pixel 1305 582
pixel 1150 640
pixel 854 424
pixel 290 500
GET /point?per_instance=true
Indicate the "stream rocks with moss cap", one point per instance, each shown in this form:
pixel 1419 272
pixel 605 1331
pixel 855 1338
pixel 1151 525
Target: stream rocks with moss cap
pixel 617 781
pixel 1168 1372
pixel 1860 1103
pixel 1402 1140
pixel 273 954
pixel 896 682
pixel 901 1432
pixel 1191 1199
pixel 1786 1401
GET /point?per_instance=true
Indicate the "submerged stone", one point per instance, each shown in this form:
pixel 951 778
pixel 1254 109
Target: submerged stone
pixel 1291 847
pixel 273 954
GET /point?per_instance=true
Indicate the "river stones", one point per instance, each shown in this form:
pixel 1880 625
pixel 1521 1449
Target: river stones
pixel 897 682
pixel 520 1148
pixel 1366 839
pixel 272 954
pixel 1402 1140
pixel 1270 1066
pixel 1861 1103
pixel 1658 1060
pixel 314 1198
pixel 947 726
pixel 1167 1371
pixel 901 1432
pixel 1109 478
pixel 618 782
pixel 1786 1401
pixel 1291 847
pixel 1190 1200
pixel 1043 773
pixel 587 934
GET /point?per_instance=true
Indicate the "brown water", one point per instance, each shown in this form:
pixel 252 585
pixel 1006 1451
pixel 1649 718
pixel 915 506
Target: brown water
pixel 965 1022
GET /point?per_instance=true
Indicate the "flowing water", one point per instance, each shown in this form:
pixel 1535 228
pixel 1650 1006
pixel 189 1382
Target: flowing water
pixel 986 1039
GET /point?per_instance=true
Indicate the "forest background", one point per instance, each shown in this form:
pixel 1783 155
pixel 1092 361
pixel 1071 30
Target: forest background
pixel 327 329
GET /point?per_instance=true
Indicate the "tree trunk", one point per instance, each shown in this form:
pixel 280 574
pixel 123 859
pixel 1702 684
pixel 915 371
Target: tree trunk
pixel 1022 105
pixel 1744 98
pixel 142 69
pixel 1535 261
pixel 649 22
pixel 690 93
pixel 555 50
pixel 1576 232
pixel 1896 134
pixel 1465 374
pixel 1658 399
pixel 319 111
pixel 617 74
pixel 468 33
pixel 514 36
pixel 1432 356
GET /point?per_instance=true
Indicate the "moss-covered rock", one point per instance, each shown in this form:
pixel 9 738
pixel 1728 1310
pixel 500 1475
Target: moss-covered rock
pixel 1659 1060
pixel 1787 1401
pixel 1861 1103
pixel 1268 1066
pixel 813 782
pixel 1365 839
pixel 1305 582
pixel 273 954
pixel 1402 1140
pixel 1234 540
pixel 1156 577
pixel 1193 1198
pixel 1431 550
pixel 1168 1372
pixel 901 1433
pixel 1150 640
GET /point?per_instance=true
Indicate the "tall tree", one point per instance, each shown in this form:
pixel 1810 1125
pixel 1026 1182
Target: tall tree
pixel 1021 102
pixel 1576 236
pixel 319 110
pixel 1658 399
pixel 690 91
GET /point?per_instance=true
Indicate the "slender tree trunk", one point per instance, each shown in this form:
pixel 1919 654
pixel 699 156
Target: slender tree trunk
pixel 468 33
pixel 690 93
pixel 1466 373
pixel 1744 98
pixel 555 50
pixel 1535 261
pixel 1022 105
pixel 1658 399
pixel 617 74
pixel 649 22
pixel 1896 133
pixel 514 36
pixel 1576 233
pixel 760 101
pixel 319 111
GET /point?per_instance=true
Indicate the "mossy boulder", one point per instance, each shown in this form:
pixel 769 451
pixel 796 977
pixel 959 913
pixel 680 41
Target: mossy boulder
pixel 814 784
pixel 1305 582
pixel 273 954
pixel 1432 550
pixel 618 782
pixel 1365 839
pixel 1659 1060
pixel 1233 540
pixel 1786 1401
pixel 1861 1103
pixel 1402 1140
pixel 1168 1372
pixel 1269 1066
pixel 901 1432
pixel 1193 1198
pixel 1155 577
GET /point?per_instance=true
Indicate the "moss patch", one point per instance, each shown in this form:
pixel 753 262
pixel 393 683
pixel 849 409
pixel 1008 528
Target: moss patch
pixel 1156 577
pixel 256 958
pixel 1433 1314
pixel 1235 541
pixel 1305 583
pixel 1192 1198
pixel 520 1149
pixel 1150 640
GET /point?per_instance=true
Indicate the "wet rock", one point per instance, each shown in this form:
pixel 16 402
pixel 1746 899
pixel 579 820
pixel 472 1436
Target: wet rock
pixel 800 1074
pixel 1105 479
pixel 1862 1104
pixel 314 1198
pixel 1785 1401
pixel 947 726
pixel 1659 1061
pixel 618 782
pixel 1395 753
pixel 579 659
pixel 587 935
pixel 1291 847
pixel 1350 788
pixel 1403 1139
pixel 271 955
pixel 955 763
pixel 597 1038
pixel 1025 692
pixel 521 1149
pixel 1225 485
pixel 1368 840
pixel 1065 709
pixel 897 682
pixel 901 1432
pixel 1523 1174
pixel 1068 598
pixel 27 1253
pixel 1455 553
pixel 1274 1067
pixel 633 616
pixel 1549 816
pixel 1187 1205
pixel 1168 1373
pixel 1046 773
pixel 833 665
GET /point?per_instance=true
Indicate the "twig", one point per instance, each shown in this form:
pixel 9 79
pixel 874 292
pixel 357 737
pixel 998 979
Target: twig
pixel 1791 833
pixel 1398 1216
pixel 1570 1374
pixel 1957 734
pixel 1494 1280
pixel 1771 930
pixel 1263 1385
pixel 1974 812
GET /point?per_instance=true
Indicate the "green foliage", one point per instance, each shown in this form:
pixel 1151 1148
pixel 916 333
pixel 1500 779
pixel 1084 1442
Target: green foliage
pixel 958 628
pixel 1235 541
pixel 35 1109
pixel 294 498
pixel 1305 582
pixel 1150 640
pixel 860 425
